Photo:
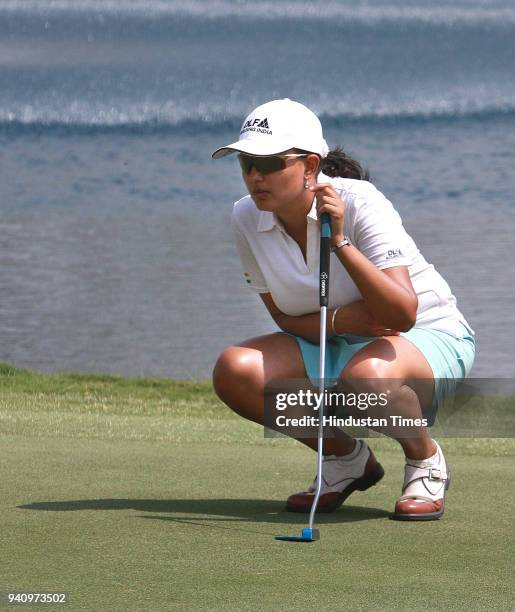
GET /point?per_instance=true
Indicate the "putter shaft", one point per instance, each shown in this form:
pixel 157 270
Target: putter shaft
pixel 321 389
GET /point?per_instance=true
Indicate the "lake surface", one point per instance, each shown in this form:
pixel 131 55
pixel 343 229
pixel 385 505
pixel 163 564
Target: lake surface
pixel 116 250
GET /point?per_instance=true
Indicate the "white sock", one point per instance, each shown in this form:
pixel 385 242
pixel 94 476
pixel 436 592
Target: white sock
pixel 433 460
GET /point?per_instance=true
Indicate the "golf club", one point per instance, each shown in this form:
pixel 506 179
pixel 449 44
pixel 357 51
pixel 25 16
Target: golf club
pixel 310 534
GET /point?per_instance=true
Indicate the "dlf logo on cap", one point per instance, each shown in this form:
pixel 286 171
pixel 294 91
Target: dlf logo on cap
pixel 278 126
pixel 258 125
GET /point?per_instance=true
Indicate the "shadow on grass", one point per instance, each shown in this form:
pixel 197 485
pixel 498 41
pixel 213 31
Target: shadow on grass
pixel 212 510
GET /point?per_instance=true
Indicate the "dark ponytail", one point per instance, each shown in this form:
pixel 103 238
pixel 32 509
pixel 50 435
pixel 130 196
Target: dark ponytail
pixel 338 163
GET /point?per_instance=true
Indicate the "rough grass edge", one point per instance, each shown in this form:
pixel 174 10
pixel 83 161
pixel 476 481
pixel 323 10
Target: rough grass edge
pixel 24 380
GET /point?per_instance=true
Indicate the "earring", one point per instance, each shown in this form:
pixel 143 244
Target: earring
pixel 306 183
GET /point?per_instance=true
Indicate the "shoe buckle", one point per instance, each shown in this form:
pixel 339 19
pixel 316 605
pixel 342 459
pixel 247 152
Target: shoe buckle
pixel 435 474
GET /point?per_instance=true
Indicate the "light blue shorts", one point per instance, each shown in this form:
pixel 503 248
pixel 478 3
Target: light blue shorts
pixel 450 358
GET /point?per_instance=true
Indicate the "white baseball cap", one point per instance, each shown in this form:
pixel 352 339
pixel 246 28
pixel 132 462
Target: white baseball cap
pixel 278 126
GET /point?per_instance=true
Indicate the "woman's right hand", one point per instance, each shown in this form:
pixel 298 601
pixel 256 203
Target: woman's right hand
pixel 357 320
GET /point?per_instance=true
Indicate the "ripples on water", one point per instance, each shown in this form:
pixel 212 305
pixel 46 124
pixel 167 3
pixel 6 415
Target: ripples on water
pixel 115 246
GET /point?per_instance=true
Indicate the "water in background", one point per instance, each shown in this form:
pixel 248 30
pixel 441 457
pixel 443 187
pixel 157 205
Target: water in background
pixel 116 254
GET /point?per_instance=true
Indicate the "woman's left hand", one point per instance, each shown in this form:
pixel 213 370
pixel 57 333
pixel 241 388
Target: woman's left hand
pixel 328 201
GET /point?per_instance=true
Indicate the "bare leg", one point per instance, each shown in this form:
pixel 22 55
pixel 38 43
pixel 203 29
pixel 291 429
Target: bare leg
pixel 396 362
pixel 242 371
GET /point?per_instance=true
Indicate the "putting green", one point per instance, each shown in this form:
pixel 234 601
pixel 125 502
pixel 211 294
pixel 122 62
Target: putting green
pixel 130 495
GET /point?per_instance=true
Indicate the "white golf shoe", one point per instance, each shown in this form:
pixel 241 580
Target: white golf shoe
pixel 340 477
pixel 423 491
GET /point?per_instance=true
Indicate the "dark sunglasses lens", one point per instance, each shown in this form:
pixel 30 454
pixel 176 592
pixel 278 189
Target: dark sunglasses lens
pixel 245 163
pixel 264 165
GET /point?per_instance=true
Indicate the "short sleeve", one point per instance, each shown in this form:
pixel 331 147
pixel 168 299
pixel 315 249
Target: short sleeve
pixel 252 274
pixel 378 232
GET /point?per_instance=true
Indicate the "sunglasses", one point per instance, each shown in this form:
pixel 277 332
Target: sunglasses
pixel 265 164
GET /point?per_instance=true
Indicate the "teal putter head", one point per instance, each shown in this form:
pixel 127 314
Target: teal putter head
pixel 307 535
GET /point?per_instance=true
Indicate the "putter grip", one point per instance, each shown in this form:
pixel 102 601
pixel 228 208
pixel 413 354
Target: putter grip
pixel 325 251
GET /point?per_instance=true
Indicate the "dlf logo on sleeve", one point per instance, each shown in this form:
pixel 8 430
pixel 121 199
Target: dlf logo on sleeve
pixel 393 253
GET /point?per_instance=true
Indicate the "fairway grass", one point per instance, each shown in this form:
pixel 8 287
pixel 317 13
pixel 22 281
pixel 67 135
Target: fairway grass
pixel 151 495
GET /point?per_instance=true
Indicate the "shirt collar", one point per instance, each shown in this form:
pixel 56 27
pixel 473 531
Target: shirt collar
pixel 267 221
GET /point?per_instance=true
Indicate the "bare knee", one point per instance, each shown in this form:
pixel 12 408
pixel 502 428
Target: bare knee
pixel 378 376
pixel 372 374
pixel 238 377
pixel 368 381
pixel 375 379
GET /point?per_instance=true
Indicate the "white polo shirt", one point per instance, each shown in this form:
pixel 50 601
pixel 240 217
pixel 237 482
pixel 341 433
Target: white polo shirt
pixel 273 262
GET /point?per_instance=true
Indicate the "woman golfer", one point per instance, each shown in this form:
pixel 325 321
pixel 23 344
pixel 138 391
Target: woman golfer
pixel 391 316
